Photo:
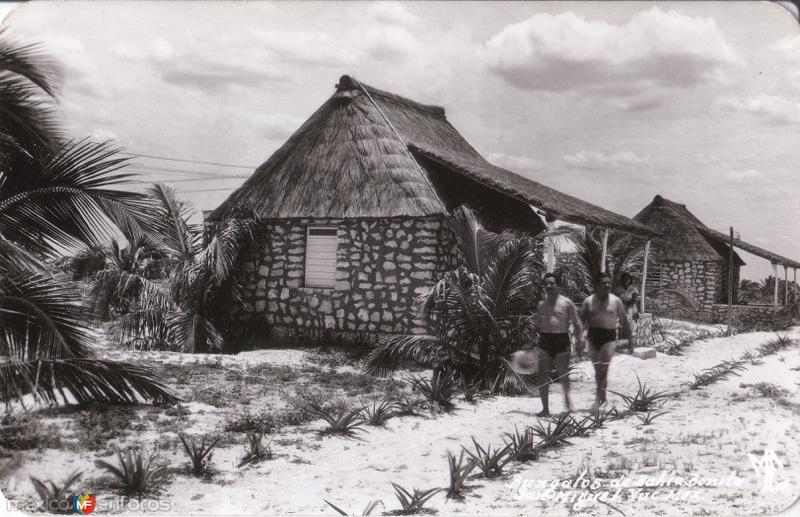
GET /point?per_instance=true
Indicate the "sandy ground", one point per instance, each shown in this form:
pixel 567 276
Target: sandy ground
pixel 712 435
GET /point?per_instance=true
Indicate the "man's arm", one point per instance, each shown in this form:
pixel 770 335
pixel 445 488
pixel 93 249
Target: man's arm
pixel 572 312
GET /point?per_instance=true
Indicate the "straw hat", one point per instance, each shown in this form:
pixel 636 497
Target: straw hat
pixel 525 362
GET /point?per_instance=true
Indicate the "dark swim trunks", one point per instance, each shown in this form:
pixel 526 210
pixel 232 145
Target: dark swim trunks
pixel 554 343
pixel 598 337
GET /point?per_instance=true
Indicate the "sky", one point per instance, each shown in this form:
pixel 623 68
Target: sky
pixel 610 102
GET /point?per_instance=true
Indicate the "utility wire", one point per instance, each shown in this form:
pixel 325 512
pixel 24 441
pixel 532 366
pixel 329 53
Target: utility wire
pixel 140 155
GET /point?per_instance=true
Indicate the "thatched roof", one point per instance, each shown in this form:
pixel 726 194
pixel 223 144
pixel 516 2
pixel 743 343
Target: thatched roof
pixel 685 238
pixel 358 156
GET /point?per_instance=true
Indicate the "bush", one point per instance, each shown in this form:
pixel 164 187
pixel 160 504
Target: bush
pixel 459 471
pixel 56 498
pixel 489 462
pixel 341 419
pixel 439 391
pixel 200 454
pixel 256 450
pixel 137 472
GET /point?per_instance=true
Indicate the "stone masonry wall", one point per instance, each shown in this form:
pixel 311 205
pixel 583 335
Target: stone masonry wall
pixel 698 278
pixel 382 266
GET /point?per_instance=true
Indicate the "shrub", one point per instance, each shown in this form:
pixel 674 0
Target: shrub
pixel 648 417
pixel 23 432
pixel 521 445
pixel 555 435
pixel 137 472
pixel 56 498
pixel 645 398
pixel 377 414
pixel 367 509
pixel 489 462
pixel 408 406
pixel 439 390
pixel 412 503
pixel 262 422
pixel 459 471
pixel 340 418
pixel 201 453
pixel 255 450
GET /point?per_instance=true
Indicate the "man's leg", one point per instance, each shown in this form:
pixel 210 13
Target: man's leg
pixel 562 369
pixel 545 363
pixel 604 360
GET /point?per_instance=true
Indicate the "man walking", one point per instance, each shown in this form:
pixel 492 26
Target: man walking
pixel 600 313
pixel 554 314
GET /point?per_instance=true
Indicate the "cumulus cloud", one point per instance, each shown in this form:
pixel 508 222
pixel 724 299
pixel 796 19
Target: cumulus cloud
pixel 568 52
pixel 596 160
pixel 773 108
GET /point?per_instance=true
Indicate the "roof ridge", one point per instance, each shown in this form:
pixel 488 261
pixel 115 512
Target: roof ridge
pixel 348 82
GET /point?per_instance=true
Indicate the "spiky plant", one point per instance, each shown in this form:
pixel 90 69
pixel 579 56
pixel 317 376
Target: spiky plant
pixel 645 398
pixel 647 418
pixel 459 472
pixel 55 196
pixel 256 450
pixel 521 445
pixel 366 511
pixel 489 461
pixel 555 434
pixel 137 472
pixel 413 502
pixel 55 498
pixel 438 391
pixel 409 406
pixel 482 309
pixel 341 419
pixel 199 453
pixel 377 414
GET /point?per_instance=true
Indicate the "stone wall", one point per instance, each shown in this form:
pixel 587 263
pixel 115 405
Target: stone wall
pixel 382 266
pixel 767 316
pixel 700 279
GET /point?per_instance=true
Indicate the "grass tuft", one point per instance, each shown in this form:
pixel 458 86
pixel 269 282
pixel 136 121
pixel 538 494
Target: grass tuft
pixel 137 472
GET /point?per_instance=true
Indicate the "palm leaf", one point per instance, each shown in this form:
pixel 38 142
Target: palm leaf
pixel 86 380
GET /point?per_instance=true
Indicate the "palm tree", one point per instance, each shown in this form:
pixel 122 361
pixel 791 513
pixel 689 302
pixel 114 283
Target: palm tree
pixel 482 310
pixel 625 253
pixel 55 196
pixel 188 310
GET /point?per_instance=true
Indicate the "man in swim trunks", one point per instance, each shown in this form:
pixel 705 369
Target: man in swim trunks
pixel 600 313
pixel 553 315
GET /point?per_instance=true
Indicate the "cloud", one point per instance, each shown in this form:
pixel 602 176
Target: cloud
pixel 388 43
pixel 392 13
pixel 744 176
pixel 773 108
pixel 566 52
pixel 514 163
pixel 595 160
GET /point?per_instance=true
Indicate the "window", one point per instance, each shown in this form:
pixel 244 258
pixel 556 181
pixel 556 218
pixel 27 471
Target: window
pixel 321 244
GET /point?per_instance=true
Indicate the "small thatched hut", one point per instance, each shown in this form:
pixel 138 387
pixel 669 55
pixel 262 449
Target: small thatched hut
pixel 354 206
pixel 691 256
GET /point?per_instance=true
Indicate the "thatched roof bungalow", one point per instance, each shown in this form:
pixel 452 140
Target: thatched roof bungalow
pixel 354 206
pixel 694 257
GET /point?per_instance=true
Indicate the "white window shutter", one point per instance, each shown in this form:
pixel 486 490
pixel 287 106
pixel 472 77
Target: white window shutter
pixel 321 246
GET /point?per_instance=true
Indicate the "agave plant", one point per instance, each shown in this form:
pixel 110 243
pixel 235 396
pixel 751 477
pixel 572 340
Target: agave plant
pixel 482 308
pixel 137 472
pixel 56 497
pixel 459 472
pixel 489 461
pixel 200 454
pixel 413 501
pixel 55 195
pixel 645 399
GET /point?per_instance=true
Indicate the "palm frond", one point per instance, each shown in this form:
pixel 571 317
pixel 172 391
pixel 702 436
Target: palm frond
pixel 393 351
pixel 42 317
pixel 85 380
